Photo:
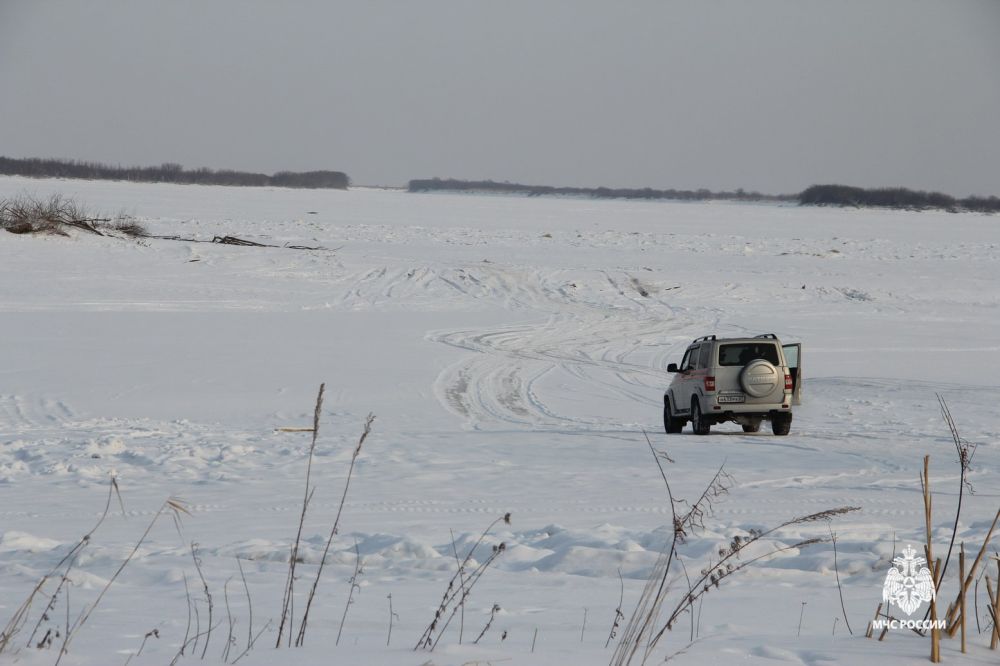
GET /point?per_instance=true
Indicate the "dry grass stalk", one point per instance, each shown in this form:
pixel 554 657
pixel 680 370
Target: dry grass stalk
pixel 975 599
pixel 154 633
pixel 925 486
pixel 840 590
pixel 62 569
pixel 300 639
pixel 489 623
pixel 871 625
pixel 961 576
pixel 230 641
pixel 619 615
pixel 925 490
pixel 193 549
pixel 935 633
pixel 208 596
pixel 891 618
pixel 256 637
pixel 293 558
pixel 173 506
pixel 452 595
pixel 192 641
pixel 995 638
pixel 355 587
pixel 246 588
pixel 461 583
pixel 638 633
pixel 994 608
pixel 654 593
pixel 967 581
pixel 187 595
pixel 392 615
pixel 463 593
pixel 965 452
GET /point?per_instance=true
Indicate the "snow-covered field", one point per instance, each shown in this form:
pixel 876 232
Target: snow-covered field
pixel 513 351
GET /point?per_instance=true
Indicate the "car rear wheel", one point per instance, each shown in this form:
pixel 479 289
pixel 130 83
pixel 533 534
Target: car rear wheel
pixel 698 422
pixel 672 424
pixel 781 424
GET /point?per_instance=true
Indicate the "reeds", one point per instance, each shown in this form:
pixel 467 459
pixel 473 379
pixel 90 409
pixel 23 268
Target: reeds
pixel 287 617
pixel 935 565
pixel 301 637
pixel 287 609
pixel 994 608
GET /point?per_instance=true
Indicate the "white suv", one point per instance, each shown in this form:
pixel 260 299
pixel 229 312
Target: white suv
pixel 744 380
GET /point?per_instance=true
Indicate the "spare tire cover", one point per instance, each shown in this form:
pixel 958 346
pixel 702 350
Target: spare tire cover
pixel 759 378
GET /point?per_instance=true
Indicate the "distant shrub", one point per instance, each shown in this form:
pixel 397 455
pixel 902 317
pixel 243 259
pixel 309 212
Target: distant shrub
pixel 311 179
pixel 893 197
pixel 169 173
pixel 981 204
pixel 57 214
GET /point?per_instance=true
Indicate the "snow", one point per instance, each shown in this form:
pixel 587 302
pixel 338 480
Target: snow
pixel 513 350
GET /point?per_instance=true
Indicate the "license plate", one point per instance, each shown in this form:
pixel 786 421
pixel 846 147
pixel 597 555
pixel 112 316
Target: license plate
pixel 732 398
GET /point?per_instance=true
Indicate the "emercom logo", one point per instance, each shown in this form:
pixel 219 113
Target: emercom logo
pixel 908 584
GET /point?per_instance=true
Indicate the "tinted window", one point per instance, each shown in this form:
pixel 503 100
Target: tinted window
pixel 704 357
pixel 744 352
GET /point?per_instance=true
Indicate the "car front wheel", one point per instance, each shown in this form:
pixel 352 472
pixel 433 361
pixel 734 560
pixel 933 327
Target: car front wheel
pixel 672 424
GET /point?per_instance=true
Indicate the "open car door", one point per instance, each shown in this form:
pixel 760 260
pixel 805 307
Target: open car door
pixel 793 356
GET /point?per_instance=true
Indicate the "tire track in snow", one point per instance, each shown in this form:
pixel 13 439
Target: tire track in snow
pixel 20 413
pixel 597 330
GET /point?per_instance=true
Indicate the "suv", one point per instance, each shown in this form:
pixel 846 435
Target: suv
pixel 744 380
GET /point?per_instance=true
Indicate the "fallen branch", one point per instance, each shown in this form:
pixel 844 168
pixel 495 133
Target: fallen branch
pixel 233 240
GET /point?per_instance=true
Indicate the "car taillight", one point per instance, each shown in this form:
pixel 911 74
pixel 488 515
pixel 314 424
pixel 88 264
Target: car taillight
pixel 709 383
pixel 788 382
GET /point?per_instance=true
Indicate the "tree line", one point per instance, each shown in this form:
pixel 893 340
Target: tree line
pixel 169 173
pixel 453 185
pixel 816 195
pixel 894 197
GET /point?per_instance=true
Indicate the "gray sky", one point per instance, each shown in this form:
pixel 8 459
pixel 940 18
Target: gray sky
pixel 772 95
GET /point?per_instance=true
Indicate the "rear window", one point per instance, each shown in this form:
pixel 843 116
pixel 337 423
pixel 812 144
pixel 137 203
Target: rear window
pixel 743 352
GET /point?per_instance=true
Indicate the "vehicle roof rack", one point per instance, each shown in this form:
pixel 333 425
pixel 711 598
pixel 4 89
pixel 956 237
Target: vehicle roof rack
pixel 704 337
pixel 769 336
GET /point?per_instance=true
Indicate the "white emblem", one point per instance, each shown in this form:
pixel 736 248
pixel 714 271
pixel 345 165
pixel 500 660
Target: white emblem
pixel 908 583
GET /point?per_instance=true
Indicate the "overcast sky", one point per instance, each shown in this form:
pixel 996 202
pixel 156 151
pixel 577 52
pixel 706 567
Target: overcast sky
pixel 772 95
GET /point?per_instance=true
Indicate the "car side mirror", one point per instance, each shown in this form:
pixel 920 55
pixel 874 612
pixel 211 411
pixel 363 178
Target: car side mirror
pixel 672 367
